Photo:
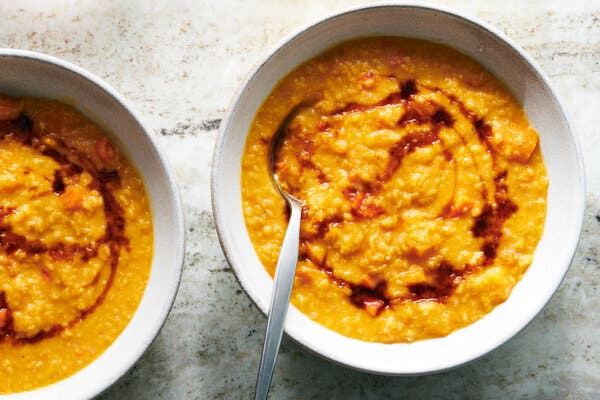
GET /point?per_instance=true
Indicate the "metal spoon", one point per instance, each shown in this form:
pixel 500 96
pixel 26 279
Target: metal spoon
pixel 284 273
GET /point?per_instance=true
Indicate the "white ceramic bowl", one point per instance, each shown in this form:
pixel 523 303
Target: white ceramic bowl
pixel 38 75
pixel 559 147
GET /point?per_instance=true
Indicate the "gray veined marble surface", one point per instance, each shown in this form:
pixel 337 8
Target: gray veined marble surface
pixel 180 62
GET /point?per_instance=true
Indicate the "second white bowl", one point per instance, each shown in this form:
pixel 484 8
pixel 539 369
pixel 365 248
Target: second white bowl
pixel 24 73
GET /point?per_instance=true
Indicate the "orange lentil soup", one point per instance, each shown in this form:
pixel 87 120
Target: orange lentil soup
pixel 423 185
pixel 75 242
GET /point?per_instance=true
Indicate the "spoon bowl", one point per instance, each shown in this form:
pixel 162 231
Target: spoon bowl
pixel 276 143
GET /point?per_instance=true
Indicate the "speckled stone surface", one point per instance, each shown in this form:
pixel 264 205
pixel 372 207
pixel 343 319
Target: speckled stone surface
pixel 180 63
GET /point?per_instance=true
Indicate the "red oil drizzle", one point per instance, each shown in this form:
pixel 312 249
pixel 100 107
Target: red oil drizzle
pixel 484 131
pixel 370 298
pixel 361 295
pixel 307 147
pixel 409 89
pixel 407 145
pixel 444 280
pixel 441 281
pixel 362 205
pixel 392 99
pixel 488 224
pixel 5 316
pixel 71 162
pixel 58 185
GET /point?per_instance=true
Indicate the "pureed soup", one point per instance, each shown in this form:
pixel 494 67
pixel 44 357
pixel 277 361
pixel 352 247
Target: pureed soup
pixel 423 184
pixel 75 242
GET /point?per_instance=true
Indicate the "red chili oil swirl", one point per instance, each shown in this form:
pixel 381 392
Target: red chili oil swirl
pixel 71 162
pixel 443 280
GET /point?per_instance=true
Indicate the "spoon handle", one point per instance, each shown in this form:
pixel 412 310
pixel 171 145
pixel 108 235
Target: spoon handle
pixel 280 298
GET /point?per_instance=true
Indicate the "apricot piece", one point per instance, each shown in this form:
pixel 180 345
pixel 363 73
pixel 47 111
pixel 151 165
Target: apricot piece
pixel 458 209
pixel 9 108
pixel 3 317
pixel 104 149
pixel 73 197
pixel 373 306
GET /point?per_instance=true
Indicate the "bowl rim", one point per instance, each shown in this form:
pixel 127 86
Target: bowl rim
pixel 124 364
pixel 273 52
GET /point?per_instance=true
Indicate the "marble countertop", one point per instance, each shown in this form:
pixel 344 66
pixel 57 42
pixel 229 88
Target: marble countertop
pixel 180 63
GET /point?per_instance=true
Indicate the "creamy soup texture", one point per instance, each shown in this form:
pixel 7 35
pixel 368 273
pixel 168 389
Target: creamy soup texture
pixel 75 242
pixel 423 184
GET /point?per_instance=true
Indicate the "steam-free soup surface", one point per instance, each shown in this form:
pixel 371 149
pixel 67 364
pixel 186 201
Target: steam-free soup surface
pixel 423 184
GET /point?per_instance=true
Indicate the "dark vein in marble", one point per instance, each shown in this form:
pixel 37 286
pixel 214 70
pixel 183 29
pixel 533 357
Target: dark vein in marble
pixel 188 128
